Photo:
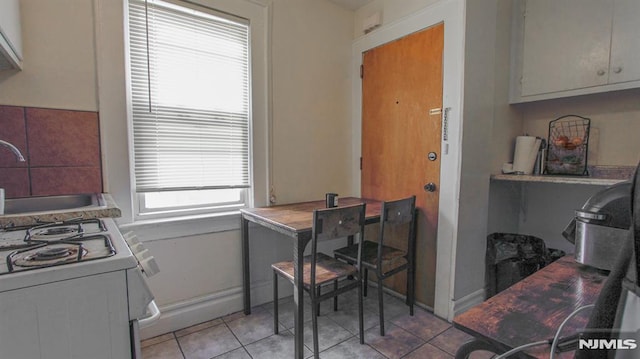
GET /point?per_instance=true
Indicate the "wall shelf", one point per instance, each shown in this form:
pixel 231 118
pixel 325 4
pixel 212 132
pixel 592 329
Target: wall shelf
pixel 586 180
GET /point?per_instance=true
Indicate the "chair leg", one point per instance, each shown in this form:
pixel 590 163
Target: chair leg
pixel 411 294
pixel 335 298
pixel 381 305
pixel 314 322
pixel 275 302
pixel 318 296
pixel 361 313
pixel 366 281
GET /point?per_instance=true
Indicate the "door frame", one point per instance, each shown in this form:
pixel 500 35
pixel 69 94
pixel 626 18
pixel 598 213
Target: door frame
pixel 451 13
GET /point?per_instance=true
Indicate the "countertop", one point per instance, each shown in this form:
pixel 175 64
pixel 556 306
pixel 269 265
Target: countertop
pixel 109 210
pixel 533 308
pixel 598 175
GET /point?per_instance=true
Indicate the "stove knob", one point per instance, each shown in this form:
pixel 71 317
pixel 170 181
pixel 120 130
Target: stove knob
pixel 149 266
pixel 130 238
pixel 136 248
pixel 141 255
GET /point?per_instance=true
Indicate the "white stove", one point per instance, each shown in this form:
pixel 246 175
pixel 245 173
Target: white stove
pixel 76 286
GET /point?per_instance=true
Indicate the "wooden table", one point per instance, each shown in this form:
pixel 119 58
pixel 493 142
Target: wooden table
pixel 295 221
pixel 533 309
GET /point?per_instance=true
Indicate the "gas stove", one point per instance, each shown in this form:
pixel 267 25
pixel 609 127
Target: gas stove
pixel 53 271
pixel 50 252
pixel 53 244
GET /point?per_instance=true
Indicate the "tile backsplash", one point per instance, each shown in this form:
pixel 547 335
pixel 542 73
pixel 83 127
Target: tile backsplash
pixel 61 149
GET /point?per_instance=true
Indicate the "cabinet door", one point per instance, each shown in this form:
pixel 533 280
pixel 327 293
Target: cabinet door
pixel 625 42
pixel 566 45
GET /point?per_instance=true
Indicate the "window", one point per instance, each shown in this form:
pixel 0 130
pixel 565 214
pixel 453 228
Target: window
pixel 190 91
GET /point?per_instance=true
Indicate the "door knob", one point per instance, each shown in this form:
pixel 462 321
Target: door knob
pixel 430 187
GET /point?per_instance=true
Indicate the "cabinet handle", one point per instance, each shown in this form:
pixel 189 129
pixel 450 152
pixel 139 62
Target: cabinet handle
pixel 617 70
pixel 600 72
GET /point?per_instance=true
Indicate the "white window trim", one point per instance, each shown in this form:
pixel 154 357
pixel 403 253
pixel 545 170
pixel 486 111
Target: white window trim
pixel 117 149
pixel 143 212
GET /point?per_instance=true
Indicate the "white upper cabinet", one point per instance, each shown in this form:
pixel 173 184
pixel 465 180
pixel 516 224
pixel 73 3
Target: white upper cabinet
pixel 566 48
pixel 10 35
pixel 625 42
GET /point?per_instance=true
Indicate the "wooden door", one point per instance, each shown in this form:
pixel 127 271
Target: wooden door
pixel 401 125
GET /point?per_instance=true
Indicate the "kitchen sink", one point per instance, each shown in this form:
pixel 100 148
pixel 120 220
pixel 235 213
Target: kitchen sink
pixel 53 203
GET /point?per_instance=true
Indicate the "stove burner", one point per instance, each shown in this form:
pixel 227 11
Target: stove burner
pixel 41 254
pixel 58 231
pixel 51 253
pixel 50 256
pixel 54 232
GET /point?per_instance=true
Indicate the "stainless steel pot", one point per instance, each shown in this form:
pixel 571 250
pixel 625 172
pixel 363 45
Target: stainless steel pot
pixel 600 226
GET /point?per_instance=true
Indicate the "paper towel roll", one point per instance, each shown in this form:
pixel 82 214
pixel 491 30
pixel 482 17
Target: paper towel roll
pixel 524 157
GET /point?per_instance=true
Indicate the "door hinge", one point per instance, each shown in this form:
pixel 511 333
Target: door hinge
pixel 361 71
pixel 360 163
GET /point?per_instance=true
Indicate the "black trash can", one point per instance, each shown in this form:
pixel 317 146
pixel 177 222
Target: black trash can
pixel 510 258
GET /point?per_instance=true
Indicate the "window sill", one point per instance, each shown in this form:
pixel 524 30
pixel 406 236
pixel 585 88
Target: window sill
pixel 171 228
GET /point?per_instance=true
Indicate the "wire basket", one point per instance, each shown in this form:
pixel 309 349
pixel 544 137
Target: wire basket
pixel 568 146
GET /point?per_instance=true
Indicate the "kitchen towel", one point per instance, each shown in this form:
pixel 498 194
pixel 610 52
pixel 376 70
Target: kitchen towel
pixel 524 157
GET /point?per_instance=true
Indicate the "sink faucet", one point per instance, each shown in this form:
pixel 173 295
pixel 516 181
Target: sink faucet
pixel 13 149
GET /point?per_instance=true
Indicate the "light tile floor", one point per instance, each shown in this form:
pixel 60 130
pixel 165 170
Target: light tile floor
pixel 238 336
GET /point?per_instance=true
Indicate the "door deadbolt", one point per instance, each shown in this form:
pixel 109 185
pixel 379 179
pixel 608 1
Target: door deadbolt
pixel 432 156
pixel 430 187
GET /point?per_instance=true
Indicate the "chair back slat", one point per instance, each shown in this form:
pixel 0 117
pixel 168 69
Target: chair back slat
pixel 398 213
pixel 338 222
pixel 333 223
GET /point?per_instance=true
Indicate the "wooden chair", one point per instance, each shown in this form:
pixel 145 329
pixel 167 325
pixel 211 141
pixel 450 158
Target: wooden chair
pixel 320 268
pixel 386 260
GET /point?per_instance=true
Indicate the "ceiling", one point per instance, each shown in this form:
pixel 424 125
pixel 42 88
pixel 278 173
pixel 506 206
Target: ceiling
pixel 351 4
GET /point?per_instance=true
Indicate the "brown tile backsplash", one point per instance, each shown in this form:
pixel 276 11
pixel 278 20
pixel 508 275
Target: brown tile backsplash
pixel 13 130
pixel 15 182
pixel 62 138
pixel 62 148
pixel 51 181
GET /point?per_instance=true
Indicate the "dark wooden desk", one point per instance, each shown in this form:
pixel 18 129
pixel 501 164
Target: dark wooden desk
pixel 533 309
pixel 295 221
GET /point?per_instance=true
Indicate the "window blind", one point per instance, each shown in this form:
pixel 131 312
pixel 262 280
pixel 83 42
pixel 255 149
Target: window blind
pixel 190 98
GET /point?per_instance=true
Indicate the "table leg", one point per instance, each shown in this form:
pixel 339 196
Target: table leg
pixel 298 298
pixel 246 277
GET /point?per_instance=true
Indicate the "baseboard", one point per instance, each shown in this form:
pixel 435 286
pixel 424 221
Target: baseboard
pixel 193 311
pixel 463 304
pixel 400 296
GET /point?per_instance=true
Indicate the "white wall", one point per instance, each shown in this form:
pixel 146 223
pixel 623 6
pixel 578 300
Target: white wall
pixel 389 10
pixel 545 209
pixel 508 123
pixel 307 109
pixel 311 141
pixel 615 123
pixel 449 12
pixel 59 57
pixel 68 44
pixel 488 126
pixel 479 97
pixel 310 156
